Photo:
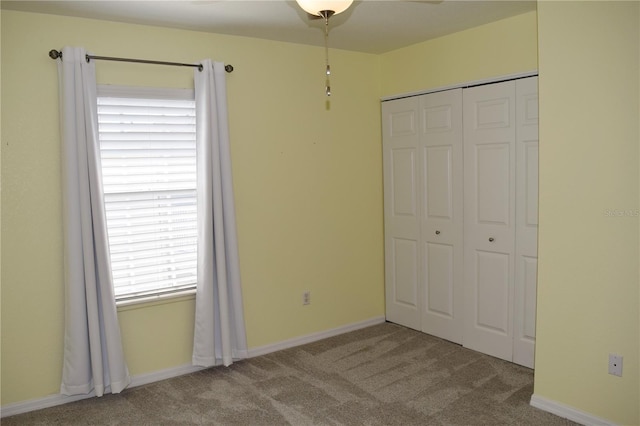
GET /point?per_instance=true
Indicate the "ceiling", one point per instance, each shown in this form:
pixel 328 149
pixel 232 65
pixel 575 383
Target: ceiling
pixel 371 26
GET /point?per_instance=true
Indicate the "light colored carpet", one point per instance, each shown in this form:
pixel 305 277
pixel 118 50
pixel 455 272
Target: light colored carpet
pixel 381 375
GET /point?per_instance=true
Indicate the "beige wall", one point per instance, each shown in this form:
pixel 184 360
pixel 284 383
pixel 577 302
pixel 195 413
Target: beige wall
pixel 307 177
pixel 588 255
pixel 501 48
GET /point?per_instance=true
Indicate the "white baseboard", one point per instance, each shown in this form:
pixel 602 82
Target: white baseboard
pixel 40 403
pixel 568 412
pixel 156 376
pixel 59 399
pixel 309 338
pixel 143 379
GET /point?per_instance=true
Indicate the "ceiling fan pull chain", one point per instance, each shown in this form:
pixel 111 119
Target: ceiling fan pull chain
pixel 326 55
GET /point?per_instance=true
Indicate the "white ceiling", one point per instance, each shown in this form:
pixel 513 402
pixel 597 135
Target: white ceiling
pixel 371 26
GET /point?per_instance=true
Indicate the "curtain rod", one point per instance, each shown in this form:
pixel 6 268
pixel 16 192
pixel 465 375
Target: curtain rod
pixel 55 54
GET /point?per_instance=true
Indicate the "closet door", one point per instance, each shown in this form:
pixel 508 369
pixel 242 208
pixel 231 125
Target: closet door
pixel 441 194
pixel 526 260
pixel 400 126
pixel 489 216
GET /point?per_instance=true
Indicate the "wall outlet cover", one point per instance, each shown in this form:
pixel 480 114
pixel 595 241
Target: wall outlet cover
pixel 615 364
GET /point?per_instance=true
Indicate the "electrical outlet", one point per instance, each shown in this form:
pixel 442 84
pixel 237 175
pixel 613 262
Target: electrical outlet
pixel 306 298
pixel 615 364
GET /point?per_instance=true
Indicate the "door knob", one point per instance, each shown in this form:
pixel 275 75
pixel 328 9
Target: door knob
pixel 437 232
pixel 491 239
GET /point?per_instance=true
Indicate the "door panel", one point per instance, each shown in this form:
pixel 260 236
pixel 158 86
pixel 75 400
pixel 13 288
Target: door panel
pixel 439 182
pixel 439 280
pixel 404 272
pixel 441 227
pixel 530 190
pixel 529 267
pixel 403 121
pixel 492 113
pixel 492 291
pixel 400 122
pixel 493 180
pixel 489 215
pixel 403 177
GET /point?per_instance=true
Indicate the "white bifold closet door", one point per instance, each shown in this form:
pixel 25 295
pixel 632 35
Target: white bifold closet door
pixel 526 261
pixel 441 228
pixel 400 126
pixel 461 215
pixel 500 218
pixel 489 217
pixel 422 156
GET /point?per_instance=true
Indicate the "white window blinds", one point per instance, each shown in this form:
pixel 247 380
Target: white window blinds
pixel 148 155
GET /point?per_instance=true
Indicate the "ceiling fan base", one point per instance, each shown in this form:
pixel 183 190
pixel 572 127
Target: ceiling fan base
pixel 326 14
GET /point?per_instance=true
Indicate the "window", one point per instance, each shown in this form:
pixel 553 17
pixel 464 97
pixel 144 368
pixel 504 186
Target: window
pixel 148 152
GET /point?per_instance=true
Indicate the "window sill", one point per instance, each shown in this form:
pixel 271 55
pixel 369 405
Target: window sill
pixel 156 299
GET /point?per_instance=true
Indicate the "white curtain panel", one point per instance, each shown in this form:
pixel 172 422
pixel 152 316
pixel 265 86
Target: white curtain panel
pixel 219 334
pixel 93 355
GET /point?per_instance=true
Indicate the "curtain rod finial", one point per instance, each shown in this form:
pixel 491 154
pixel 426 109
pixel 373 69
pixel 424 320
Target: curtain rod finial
pixel 228 68
pixel 54 54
